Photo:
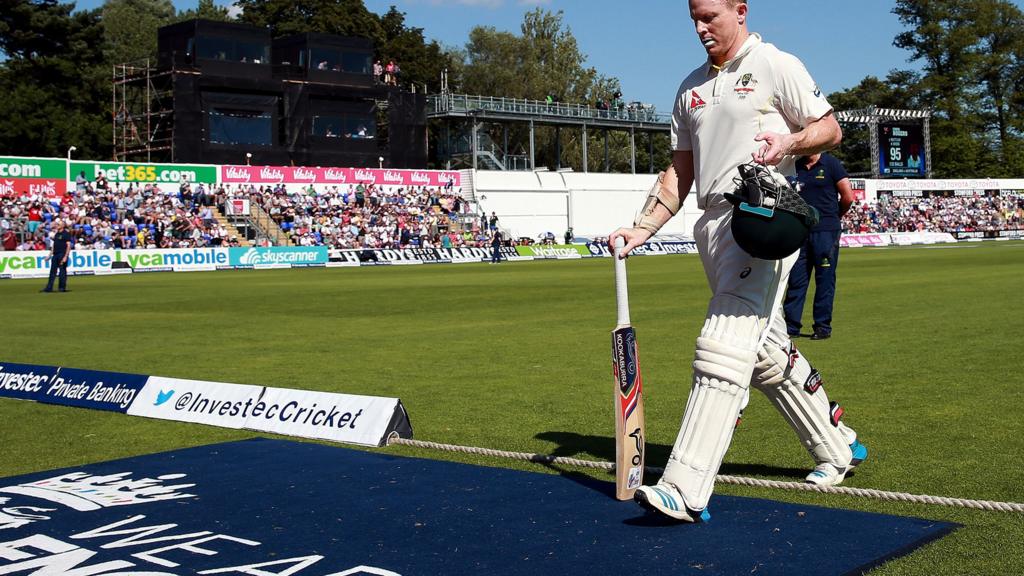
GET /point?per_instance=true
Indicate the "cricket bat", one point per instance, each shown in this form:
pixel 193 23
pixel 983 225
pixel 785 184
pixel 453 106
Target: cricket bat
pixel 629 397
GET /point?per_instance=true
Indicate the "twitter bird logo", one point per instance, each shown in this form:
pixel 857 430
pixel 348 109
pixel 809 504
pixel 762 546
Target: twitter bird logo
pixel 162 397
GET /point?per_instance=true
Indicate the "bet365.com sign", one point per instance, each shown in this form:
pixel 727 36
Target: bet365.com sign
pixel 142 173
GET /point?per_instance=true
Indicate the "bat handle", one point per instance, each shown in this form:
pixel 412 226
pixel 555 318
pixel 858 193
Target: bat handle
pixel 621 290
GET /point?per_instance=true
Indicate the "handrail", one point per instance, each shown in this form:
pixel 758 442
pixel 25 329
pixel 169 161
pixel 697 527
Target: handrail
pixel 19 224
pixel 266 224
pixel 442 103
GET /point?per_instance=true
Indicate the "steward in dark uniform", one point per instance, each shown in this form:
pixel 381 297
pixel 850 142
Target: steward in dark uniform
pixel 496 247
pixel 59 258
pixel 824 184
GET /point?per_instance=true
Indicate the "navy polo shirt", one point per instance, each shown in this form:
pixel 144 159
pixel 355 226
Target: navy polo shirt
pixel 61 243
pixel 819 188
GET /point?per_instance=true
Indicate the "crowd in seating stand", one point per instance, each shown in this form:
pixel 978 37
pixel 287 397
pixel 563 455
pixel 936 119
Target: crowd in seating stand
pixel 100 215
pixel 368 215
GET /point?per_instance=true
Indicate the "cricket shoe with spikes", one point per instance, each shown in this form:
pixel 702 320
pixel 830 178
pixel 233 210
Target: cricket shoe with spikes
pixel 828 475
pixel 665 499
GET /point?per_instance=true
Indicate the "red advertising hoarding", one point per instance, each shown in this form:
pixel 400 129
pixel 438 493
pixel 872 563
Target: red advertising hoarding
pixel 35 186
pixel 36 176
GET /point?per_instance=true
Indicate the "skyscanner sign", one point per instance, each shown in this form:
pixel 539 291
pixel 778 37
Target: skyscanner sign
pixel 291 256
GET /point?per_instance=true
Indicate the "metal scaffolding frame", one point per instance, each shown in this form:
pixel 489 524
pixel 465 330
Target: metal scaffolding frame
pixel 143 111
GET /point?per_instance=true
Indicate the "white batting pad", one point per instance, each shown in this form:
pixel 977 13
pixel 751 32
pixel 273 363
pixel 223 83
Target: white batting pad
pixel 795 388
pixel 726 352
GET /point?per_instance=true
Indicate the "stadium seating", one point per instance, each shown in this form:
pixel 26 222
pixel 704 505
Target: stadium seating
pixel 937 214
pixel 111 217
pixel 382 216
pixel 367 216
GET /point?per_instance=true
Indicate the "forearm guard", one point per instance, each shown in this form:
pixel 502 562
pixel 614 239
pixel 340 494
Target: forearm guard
pixel 659 194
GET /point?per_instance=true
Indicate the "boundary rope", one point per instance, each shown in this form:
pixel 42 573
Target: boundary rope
pixel 989 505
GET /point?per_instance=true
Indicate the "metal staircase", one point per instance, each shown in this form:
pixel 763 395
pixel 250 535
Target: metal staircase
pixel 230 226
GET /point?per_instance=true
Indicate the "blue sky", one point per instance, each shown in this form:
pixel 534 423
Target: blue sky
pixel 649 45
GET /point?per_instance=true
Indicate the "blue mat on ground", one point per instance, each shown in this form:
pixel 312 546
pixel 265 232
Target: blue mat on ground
pixel 278 507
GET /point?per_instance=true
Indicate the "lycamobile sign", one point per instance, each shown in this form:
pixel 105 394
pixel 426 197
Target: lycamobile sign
pixel 26 264
pixel 177 258
pixel 146 173
pixel 22 263
pixel 180 258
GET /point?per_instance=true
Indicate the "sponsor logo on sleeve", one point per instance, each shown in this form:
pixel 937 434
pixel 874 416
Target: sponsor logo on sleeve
pixel 696 102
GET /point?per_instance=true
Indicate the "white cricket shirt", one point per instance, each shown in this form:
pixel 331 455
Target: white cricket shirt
pixel 717 114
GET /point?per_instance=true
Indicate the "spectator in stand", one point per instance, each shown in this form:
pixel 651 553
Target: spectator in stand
pixel 390 217
pixel 938 213
pixel 378 71
pixel 185 195
pixel 203 196
pixel 569 236
pixel 493 222
pixel 206 215
pixel 389 73
pixel 131 203
pixel 360 196
pixel 80 182
pixel 35 217
pixel 10 240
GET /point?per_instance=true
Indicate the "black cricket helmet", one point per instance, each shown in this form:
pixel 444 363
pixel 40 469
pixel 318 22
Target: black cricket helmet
pixel 769 218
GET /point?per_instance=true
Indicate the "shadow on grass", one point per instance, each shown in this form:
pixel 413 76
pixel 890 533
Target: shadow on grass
pixel 587 447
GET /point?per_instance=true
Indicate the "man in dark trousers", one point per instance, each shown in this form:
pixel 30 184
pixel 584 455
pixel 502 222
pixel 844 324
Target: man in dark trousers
pixel 824 184
pixel 59 257
pixel 496 247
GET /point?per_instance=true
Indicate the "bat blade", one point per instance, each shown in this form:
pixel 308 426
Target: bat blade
pixel 629 413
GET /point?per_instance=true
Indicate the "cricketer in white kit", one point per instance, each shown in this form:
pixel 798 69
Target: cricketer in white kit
pixel 749 101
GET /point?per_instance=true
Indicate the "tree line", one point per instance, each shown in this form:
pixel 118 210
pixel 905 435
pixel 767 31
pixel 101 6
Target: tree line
pixel 57 61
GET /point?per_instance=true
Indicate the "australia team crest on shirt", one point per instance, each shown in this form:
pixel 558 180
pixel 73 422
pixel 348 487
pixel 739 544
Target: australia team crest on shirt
pixel 745 85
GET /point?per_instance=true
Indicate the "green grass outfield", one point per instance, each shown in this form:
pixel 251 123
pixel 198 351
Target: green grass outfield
pixel 926 358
